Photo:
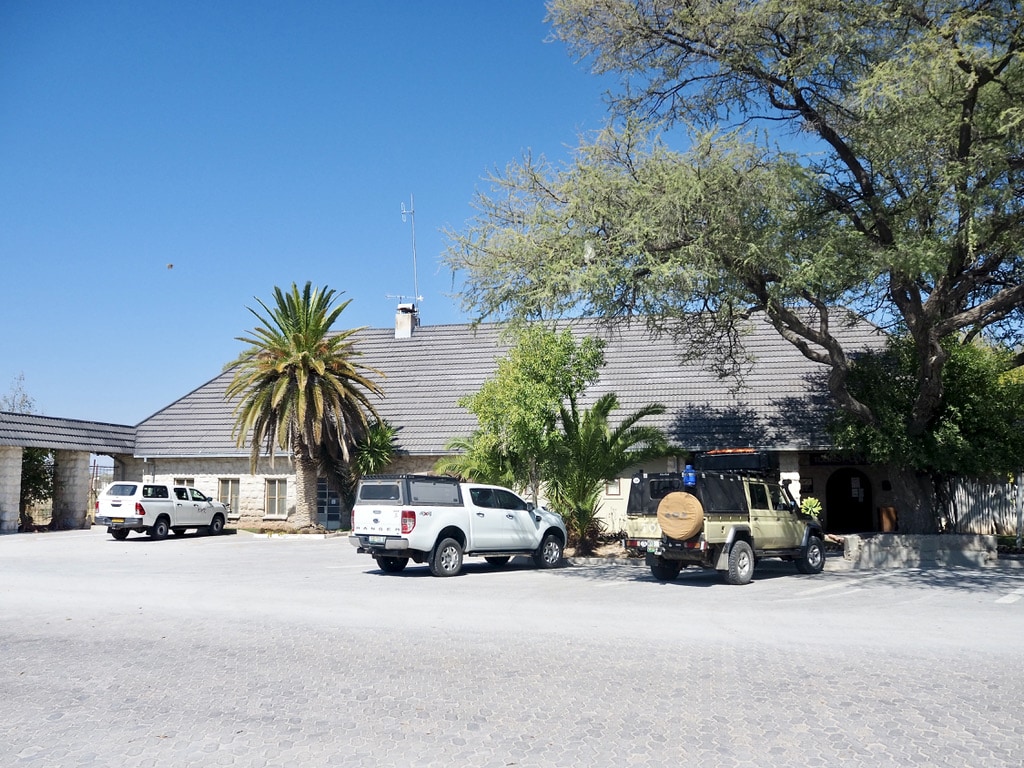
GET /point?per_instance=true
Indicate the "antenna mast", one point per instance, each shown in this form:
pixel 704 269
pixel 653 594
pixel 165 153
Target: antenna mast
pixel 411 213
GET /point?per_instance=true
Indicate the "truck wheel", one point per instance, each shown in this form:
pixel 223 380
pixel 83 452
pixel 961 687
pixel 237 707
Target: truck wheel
pixel 741 563
pixel 446 559
pixel 216 526
pixel 813 558
pixel 549 553
pixel 498 561
pixel 160 529
pixel 119 533
pixel 666 570
pixel 392 564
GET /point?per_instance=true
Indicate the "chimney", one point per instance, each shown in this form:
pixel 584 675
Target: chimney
pixel 406 320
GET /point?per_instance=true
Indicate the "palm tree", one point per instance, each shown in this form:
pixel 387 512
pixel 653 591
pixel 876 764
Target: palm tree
pixel 589 453
pixel 478 458
pixel 300 389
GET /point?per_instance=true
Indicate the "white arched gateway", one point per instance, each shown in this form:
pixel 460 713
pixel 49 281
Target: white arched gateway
pixel 72 441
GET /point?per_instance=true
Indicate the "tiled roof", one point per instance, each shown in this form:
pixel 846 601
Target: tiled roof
pixel 30 430
pixel 780 403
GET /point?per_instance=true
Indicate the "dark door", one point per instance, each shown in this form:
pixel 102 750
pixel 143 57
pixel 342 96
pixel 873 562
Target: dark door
pixel 848 504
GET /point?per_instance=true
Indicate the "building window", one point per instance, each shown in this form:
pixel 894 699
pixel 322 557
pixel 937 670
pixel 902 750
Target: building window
pixel 188 482
pixel 612 488
pixel 227 493
pixel 277 491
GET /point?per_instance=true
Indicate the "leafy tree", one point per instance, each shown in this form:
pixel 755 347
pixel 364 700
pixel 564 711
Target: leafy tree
pixel 36 463
pixel 518 408
pixel 843 157
pixel 588 452
pixel 978 431
pixel 300 388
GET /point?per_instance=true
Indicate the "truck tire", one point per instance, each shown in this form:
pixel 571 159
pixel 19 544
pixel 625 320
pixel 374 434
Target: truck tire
pixel 119 533
pixel 680 515
pixel 741 564
pixel 549 553
pixel 159 530
pixel 812 560
pixel 392 564
pixel 666 570
pixel 446 559
pixel 216 526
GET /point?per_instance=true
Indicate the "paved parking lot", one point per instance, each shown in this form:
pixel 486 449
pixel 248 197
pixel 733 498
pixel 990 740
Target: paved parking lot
pixel 246 651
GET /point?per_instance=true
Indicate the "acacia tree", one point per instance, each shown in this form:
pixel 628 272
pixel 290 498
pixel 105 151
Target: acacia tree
pixel 978 431
pixel 300 388
pixel 844 156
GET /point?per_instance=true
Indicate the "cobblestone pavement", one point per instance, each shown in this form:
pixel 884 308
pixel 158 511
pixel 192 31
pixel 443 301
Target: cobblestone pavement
pixel 247 651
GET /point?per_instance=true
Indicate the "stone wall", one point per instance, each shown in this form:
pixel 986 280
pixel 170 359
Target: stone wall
pixel 206 474
pixel 894 550
pixel 10 488
pixel 70 490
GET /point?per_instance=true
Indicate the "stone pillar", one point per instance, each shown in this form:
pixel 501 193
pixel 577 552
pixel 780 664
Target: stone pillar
pixel 10 488
pixel 70 489
pixel 789 470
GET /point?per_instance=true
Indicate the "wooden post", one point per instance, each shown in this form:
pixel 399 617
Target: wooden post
pixel 1020 510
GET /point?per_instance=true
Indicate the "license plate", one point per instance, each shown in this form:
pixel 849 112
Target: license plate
pixel 376 539
pixel 117 519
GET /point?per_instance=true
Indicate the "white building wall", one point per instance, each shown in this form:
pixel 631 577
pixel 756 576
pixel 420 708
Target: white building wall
pixel 206 473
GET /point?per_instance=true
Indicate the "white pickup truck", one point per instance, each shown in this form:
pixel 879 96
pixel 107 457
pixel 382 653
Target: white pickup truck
pixel 438 520
pixel 157 509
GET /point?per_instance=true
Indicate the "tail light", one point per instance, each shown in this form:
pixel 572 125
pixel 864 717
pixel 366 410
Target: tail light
pixel 408 520
pixel 139 509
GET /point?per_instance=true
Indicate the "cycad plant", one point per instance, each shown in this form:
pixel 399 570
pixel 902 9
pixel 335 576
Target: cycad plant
pixel 300 388
pixel 588 453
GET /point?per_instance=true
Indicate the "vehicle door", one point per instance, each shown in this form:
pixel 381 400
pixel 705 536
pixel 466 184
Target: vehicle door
pixel 486 519
pixel 203 507
pixel 791 525
pixel 764 521
pixel 520 529
pixel 185 512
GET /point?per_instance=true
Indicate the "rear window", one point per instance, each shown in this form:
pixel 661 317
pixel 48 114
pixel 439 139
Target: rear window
pixel 122 489
pixel 380 492
pixel 662 488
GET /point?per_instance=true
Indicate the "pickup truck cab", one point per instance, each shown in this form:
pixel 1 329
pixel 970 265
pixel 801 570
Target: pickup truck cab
pixel 439 520
pixel 157 508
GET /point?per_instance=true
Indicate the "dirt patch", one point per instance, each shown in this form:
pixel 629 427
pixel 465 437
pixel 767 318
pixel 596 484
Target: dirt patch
pixel 610 549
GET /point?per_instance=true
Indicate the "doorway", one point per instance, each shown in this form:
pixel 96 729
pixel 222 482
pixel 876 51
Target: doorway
pixel 848 502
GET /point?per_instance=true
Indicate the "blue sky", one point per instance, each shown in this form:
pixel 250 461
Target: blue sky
pixel 249 144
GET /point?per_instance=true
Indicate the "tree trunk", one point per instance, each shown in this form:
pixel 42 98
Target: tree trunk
pixel 305 490
pixel 916 502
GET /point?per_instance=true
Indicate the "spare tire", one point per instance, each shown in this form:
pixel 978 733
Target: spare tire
pixel 680 515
